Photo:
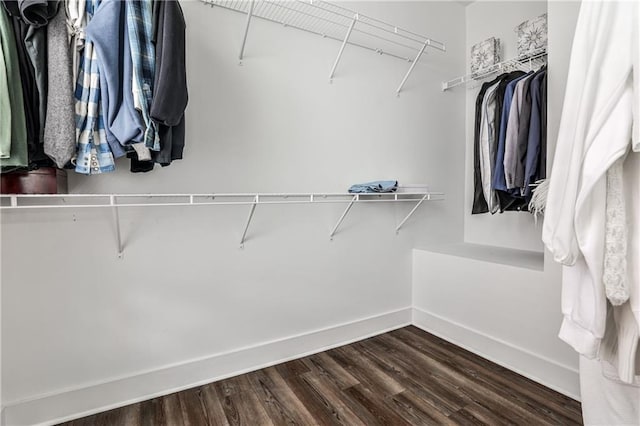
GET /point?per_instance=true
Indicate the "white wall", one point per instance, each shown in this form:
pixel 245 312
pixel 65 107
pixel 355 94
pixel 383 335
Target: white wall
pixel 501 302
pixel 75 316
pixel 496 19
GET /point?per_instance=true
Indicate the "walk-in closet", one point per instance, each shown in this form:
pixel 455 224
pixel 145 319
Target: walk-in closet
pixel 273 212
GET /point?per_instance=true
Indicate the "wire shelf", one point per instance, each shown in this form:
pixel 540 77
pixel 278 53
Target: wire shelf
pixel 46 201
pixel 332 21
pixel 337 23
pixel 9 202
pixel 532 61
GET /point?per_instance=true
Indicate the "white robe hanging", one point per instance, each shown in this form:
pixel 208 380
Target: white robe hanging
pixel 595 131
pixel 600 127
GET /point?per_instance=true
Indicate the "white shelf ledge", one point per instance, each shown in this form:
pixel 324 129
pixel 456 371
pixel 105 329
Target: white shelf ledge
pixel 12 202
pixel 335 22
pixel 534 60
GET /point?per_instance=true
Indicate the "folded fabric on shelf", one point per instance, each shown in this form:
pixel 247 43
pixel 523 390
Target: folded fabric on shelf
pixel 374 187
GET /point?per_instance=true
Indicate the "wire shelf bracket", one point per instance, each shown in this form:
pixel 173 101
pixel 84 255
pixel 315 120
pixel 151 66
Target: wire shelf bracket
pixel 344 214
pixel 116 222
pixel 115 202
pixel 342 46
pixel 534 59
pixel 246 226
pixel 246 31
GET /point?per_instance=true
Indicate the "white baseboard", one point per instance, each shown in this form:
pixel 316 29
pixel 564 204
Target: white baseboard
pixel 554 375
pixel 82 402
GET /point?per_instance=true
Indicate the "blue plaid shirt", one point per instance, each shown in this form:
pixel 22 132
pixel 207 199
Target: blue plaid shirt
pixel 93 154
pixel 140 26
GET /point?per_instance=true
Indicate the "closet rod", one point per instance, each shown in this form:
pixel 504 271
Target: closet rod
pixel 539 57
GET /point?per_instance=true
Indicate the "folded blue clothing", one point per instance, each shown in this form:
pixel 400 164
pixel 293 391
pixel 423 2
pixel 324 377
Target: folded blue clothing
pixel 374 187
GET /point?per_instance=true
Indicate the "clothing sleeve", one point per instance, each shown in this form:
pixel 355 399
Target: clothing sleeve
pixel 170 95
pixel 511 140
pixel 635 46
pixel 523 135
pixel 485 164
pixel 595 129
pixel 5 110
pixel 479 202
pixel 558 232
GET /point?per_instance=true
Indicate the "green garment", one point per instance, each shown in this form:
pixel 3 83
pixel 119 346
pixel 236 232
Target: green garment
pixel 15 120
pixel 5 110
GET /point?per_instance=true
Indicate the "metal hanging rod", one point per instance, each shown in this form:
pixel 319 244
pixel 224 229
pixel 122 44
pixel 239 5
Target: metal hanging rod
pixel 535 60
pixel 337 23
pixel 115 201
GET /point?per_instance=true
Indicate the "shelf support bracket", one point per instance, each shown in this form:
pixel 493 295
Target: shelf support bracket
pixel 344 214
pixel 256 200
pixel 246 31
pixel 413 64
pixel 344 43
pixel 116 222
pixel 426 197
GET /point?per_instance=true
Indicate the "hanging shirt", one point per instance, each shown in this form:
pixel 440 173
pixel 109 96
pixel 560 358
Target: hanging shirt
pixel 487 146
pixel 498 181
pixel 479 202
pixel 5 107
pixel 533 151
pixel 14 120
pixel 93 153
pixel 76 22
pixel 59 128
pixel 170 94
pixel 36 43
pixel 123 124
pixel 31 102
pixel 139 20
pixel 513 130
pixel 524 129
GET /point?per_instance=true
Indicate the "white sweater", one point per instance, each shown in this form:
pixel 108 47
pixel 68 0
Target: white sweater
pixel 601 104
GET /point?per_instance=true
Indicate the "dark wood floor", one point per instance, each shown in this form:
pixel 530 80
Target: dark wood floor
pixel 405 377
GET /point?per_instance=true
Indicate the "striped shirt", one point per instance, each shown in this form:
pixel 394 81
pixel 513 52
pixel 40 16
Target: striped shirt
pixel 140 26
pixel 93 154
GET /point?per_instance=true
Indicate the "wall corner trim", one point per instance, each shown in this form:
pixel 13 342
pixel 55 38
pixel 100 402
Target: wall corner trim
pixel 72 404
pixel 540 369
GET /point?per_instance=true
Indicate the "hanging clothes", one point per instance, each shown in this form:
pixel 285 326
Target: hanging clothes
pixel 59 126
pixel 99 80
pixel 36 43
pixel 595 183
pixel 27 77
pixel 13 123
pixel 531 90
pixel 170 95
pixel 76 23
pixel 5 107
pixel 508 140
pixel 488 147
pixel 106 30
pixel 140 27
pixel 479 202
pixel 38 13
pixel 508 127
pixel 93 153
pixel 537 131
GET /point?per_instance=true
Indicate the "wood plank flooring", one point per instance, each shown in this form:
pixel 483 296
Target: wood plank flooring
pixel 405 377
